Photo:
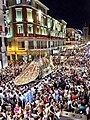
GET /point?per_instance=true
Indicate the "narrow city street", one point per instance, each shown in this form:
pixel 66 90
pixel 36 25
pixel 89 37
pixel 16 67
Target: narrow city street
pixel 44 60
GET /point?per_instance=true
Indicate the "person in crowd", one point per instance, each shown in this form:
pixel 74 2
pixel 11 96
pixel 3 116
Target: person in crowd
pixel 67 88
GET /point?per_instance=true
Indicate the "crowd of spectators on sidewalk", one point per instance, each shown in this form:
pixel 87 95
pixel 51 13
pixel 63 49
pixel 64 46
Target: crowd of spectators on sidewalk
pixel 67 88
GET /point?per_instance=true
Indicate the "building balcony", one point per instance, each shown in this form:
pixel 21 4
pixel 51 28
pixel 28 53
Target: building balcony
pixel 30 35
pixel 41 36
pixel 20 34
pixel 19 19
pixel 45 36
pixel 30 20
pixel 71 42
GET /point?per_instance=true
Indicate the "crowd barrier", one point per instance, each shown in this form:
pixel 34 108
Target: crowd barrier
pixel 74 116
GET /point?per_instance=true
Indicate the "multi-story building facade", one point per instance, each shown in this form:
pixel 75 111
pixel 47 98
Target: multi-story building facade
pixel 31 30
pixel 73 37
pixel 3 41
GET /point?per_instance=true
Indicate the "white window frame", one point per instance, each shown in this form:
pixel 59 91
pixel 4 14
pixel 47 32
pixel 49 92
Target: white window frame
pixel 45 31
pixel 8 19
pixel 29 19
pixel 9 27
pixel 19 25
pixel 38 27
pixel 9 34
pixel 9 30
pixel 18 1
pixel 49 22
pixel 28 0
pixel 42 30
pixel 18 19
pixel 39 15
pixel 30 25
pixel 42 20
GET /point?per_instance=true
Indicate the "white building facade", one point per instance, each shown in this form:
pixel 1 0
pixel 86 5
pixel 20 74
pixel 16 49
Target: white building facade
pixel 3 41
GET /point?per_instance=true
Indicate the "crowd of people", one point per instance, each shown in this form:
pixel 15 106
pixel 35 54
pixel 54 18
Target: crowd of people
pixel 67 88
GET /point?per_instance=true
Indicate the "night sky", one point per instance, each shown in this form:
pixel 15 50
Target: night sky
pixel 75 12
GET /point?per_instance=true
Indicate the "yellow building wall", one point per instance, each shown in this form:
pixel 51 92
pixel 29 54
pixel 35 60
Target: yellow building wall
pixel 13 50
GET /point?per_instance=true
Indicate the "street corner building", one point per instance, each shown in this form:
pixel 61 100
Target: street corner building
pixel 3 40
pixel 31 30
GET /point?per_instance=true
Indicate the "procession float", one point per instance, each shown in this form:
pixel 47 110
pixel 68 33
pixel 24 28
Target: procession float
pixel 28 75
pixel 40 68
